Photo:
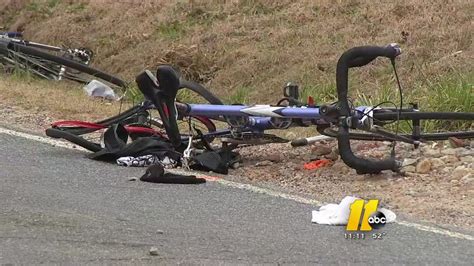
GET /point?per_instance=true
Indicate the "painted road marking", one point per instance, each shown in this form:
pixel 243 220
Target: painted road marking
pixel 248 187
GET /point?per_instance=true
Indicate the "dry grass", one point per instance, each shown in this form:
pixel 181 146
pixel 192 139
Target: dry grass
pixel 257 45
pixel 60 100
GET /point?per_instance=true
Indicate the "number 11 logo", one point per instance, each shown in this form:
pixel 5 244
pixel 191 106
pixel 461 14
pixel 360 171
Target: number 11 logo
pixel 356 213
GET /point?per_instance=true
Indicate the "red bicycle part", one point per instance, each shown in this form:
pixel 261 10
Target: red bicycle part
pixel 130 129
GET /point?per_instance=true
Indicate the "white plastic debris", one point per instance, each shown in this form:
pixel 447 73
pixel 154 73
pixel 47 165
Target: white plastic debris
pixel 154 251
pixel 96 88
pixel 338 214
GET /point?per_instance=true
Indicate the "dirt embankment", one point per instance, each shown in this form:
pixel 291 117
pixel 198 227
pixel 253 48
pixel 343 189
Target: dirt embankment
pixel 255 46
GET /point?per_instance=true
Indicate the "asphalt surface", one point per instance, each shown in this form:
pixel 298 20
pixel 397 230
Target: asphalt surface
pixel 58 207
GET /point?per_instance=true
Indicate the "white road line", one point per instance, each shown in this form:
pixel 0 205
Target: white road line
pixel 248 187
pixel 50 141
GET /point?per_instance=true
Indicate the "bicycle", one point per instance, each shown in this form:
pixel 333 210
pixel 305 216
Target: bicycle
pixel 49 62
pixel 340 120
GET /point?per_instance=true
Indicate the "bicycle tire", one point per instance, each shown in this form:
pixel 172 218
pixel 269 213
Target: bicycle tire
pixel 10 64
pixel 32 64
pixel 390 116
pixel 68 63
pixel 78 140
pixel 65 131
pixel 135 110
pixel 201 90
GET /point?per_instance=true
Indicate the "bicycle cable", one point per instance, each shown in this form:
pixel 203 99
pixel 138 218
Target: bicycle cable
pixel 401 103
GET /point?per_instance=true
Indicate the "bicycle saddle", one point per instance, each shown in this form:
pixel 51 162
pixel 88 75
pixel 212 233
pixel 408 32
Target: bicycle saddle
pixel 167 83
pixel 161 91
pixel 168 80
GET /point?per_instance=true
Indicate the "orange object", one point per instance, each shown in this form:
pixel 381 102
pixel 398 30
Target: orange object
pixel 316 164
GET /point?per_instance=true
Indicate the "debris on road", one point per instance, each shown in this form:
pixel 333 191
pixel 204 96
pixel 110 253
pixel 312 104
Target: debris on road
pixel 156 174
pixel 154 251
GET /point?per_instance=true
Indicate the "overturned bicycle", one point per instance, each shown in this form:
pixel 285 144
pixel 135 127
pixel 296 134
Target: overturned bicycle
pixel 188 133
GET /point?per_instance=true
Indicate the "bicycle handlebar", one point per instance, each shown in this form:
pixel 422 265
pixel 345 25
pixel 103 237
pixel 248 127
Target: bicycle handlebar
pixel 357 57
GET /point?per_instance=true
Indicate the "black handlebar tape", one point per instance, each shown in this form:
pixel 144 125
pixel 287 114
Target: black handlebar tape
pixel 362 166
pixel 357 57
pixel 360 61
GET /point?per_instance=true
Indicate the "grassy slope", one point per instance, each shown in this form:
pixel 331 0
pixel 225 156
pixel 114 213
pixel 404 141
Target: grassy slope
pixel 37 96
pixel 248 49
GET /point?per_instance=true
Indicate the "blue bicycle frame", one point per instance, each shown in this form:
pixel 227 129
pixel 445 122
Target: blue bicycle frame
pixel 260 117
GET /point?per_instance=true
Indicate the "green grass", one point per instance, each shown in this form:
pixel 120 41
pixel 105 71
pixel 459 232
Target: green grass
pixel 240 96
pixel 17 73
pixel 52 3
pixel 321 93
pixel 33 6
pixel 76 7
pixel 453 93
pixel 23 75
pixel 171 30
pixel 188 96
pixel 254 7
pixel 133 94
pixel 44 8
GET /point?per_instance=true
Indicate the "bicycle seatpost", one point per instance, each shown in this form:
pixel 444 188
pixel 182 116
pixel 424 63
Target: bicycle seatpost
pixel 357 57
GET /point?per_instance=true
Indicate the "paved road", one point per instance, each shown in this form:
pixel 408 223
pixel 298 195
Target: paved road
pixel 58 207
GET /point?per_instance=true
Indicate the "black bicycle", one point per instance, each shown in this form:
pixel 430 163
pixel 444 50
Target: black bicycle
pixel 51 62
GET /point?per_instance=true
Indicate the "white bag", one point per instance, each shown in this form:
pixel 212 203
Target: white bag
pixel 96 88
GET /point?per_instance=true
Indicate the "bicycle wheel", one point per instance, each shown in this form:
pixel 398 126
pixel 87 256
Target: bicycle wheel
pixel 192 92
pixel 15 61
pixel 93 139
pixel 140 114
pixel 92 133
pixel 52 64
pixel 382 116
pixel 137 120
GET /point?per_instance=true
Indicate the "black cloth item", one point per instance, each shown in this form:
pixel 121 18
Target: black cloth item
pixel 115 139
pixel 216 161
pixel 156 174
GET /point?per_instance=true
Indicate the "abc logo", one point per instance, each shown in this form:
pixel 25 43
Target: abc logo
pixel 377 220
